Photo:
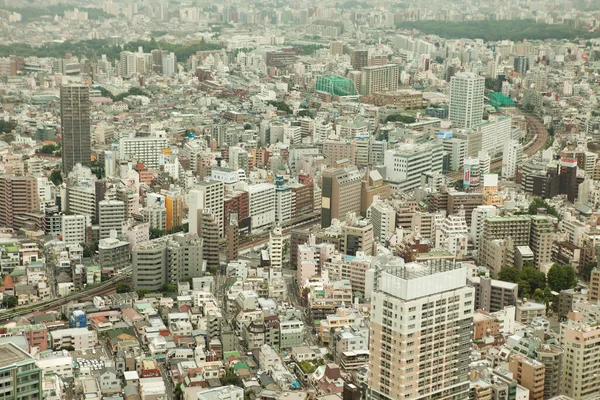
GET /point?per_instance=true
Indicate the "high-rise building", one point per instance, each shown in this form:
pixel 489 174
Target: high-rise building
pixel 581 344
pixel 111 216
pixel 517 228
pixel 568 178
pixel 75 126
pixel 167 259
pixel 169 64
pixel 512 156
pixel 276 244
pixel 529 374
pixel 208 194
pixel 283 200
pixel 340 193
pixel 22 379
pixel 359 59
pixel 19 197
pixel 415 309
pixel 466 100
pixel 233 238
pixel 147 150
pixel 383 218
pixel 74 229
pixel 261 205
pixel 407 162
pixel 380 78
pixel 209 229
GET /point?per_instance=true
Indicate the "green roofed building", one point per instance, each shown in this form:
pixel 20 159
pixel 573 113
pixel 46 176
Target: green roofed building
pixel 498 100
pixel 335 85
pixel 21 378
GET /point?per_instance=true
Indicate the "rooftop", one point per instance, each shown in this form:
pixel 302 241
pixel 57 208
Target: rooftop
pixel 11 355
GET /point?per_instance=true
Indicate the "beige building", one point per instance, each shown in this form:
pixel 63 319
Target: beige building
pixel 381 78
pixel 18 197
pixel 416 308
pixel 527 311
pixel 580 366
pixel 493 295
pixel 336 150
pixel 529 374
pixel 340 193
pixel 594 288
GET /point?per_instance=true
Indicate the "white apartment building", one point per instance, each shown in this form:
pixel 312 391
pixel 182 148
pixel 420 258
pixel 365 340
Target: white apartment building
pixel 81 198
pixel 466 100
pixel 494 134
pixel 480 213
pixel 262 206
pixel 111 214
pixel 405 164
pixel 416 308
pixel 78 338
pixel 380 78
pixel 74 228
pixel 276 242
pixel 283 203
pixel 206 195
pixel 147 150
pixel 383 218
pixel 156 216
pixel 452 234
pixel 511 157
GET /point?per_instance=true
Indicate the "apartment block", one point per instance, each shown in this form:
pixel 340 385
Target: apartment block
pixel 21 377
pixel 340 193
pixel 493 295
pixel 528 373
pixel 416 308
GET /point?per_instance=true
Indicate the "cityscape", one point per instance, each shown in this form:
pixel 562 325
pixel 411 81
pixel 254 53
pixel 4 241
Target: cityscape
pixel 271 200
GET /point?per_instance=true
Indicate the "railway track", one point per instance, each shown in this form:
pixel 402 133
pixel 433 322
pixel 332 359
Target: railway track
pixel 540 137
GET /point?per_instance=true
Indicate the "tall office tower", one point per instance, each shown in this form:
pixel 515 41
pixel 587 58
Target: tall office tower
pixel 209 195
pixel 359 59
pixel 22 379
pixel 19 196
pixel 382 78
pixel 209 229
pixel 276 244
pixel 340 193
pixel 466 100
pixel 421 328
pixel 111 214
pixel 581 344
pixel 75 126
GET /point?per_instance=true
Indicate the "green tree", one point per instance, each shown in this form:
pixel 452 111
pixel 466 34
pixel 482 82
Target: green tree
pixel 509 274
pixel 561 277
pixel 48 149
pixel 230 378
pixel 439 60
pixel 156 233
pixel 281 106
pixel 9 302
pixel 538 295
pixel 56 177
pixel 142 292
pixel 178 392
pixel 7 126
pixel 534 278
pixel 537 203
pixel 406 119
pixel 169 288
pixel 123 287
